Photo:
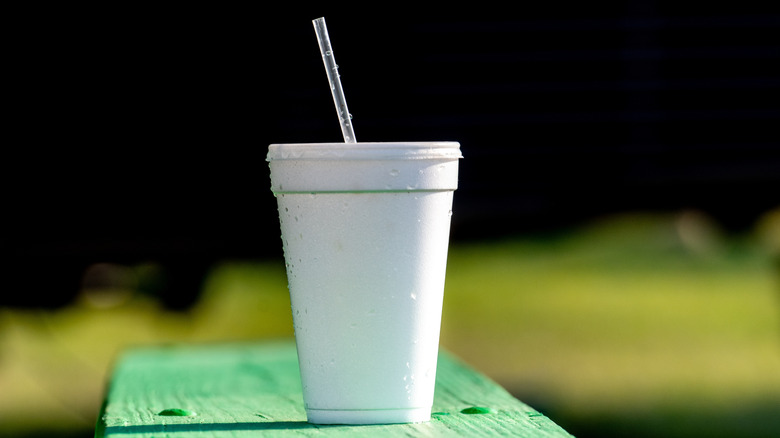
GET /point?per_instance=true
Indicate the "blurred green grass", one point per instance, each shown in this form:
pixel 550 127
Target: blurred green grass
pixel 636 325
pixel 627 327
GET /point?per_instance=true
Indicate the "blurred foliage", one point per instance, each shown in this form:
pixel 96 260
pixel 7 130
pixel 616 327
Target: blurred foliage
pixel 640 325
pixel 636 325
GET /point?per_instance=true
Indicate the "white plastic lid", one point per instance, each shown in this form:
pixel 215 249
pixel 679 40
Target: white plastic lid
pixel 363 167
pixel 365 151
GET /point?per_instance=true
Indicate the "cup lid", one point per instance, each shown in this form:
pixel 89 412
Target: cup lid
pixel 365 151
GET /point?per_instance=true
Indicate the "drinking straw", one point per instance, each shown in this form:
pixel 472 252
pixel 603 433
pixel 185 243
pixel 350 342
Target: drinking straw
pixel 345 118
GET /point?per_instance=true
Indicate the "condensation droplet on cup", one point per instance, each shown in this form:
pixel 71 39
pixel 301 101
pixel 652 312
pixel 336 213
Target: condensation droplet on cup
pixel 413 295
pixel 395 172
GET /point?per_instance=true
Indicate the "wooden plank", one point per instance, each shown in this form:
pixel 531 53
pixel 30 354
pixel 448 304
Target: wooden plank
pixel 239 390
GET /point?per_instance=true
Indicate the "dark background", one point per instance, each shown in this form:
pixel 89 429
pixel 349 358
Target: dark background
pixel 139 133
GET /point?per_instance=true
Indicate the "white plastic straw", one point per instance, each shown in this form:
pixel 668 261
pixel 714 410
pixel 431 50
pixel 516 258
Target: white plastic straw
pixel 345 118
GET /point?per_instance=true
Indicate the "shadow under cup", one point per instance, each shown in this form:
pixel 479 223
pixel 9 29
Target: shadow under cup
pixel 365 230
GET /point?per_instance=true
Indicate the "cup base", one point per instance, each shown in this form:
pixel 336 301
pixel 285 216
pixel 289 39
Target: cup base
pixel 368 416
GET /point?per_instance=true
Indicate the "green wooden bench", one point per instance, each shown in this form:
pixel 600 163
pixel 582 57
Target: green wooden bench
pixel 251 389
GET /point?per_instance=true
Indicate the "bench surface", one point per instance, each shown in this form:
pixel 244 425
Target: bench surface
pixel 243 389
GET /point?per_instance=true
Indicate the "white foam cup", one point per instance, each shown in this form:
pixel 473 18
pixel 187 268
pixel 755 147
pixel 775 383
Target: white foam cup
pixel 365 230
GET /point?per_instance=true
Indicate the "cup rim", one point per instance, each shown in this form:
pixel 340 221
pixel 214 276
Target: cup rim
pixel 364 151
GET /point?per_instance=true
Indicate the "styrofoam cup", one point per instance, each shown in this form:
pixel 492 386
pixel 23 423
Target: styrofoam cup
pixel 365 230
